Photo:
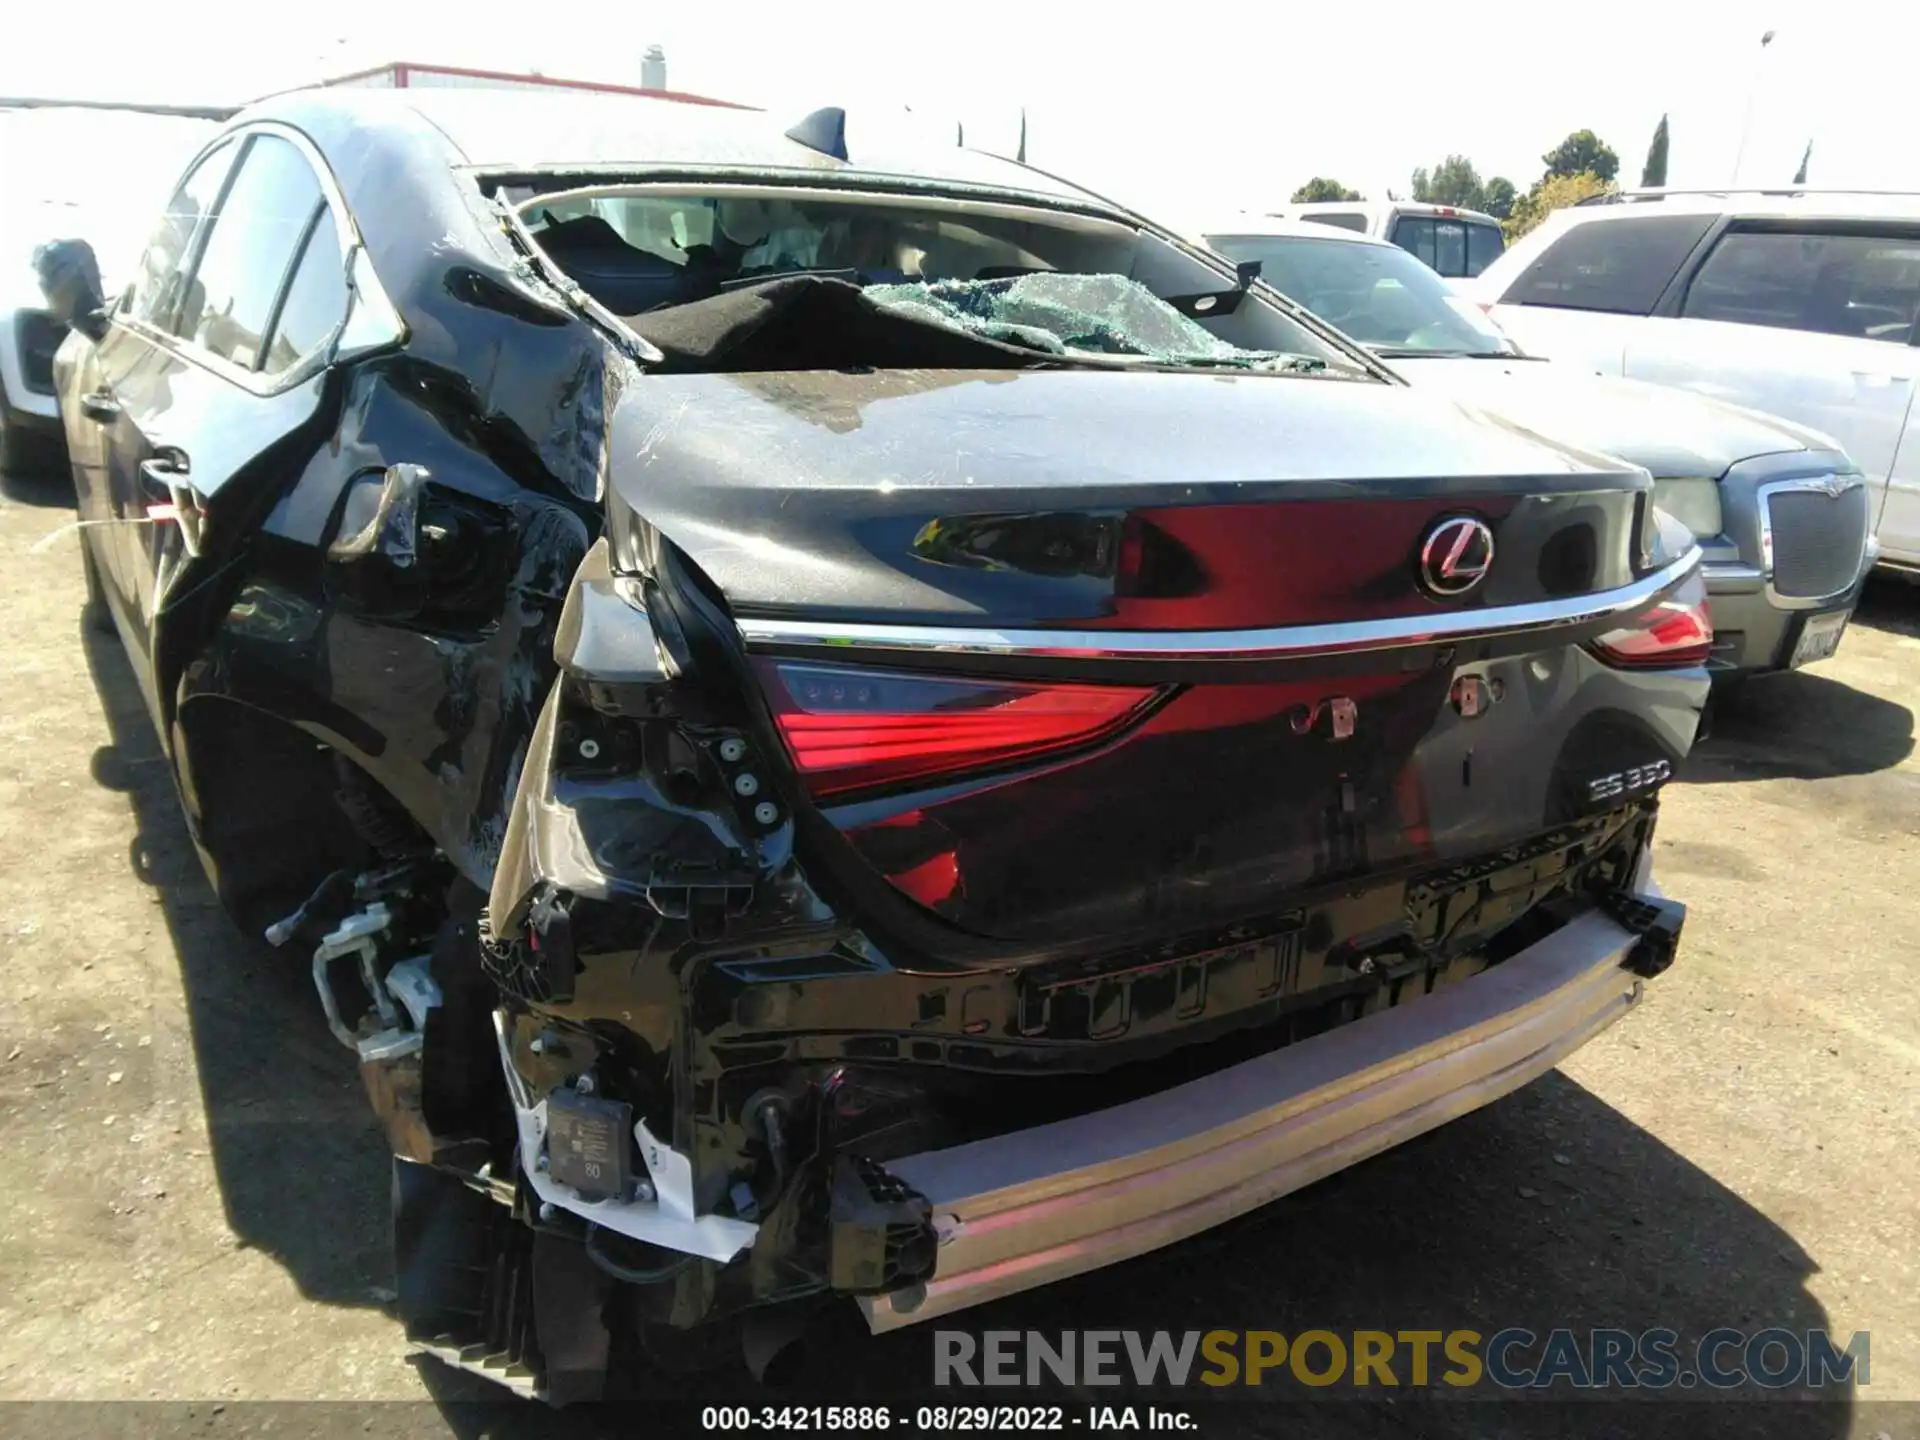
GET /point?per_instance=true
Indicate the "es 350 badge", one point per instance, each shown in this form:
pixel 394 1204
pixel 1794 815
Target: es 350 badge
pixel 1629 781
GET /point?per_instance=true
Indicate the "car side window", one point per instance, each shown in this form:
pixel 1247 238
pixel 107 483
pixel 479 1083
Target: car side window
pixel 248 253
pixel 1414 234
pixel 1621 266
pixel 1866 286
pixel 1440 244
pixel 315 301
pixel 1340 220
pixel 162 267
pixel 1484 244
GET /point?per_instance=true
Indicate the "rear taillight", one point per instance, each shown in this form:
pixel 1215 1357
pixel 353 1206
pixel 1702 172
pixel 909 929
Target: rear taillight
pixel 1675 634
pixel 854 729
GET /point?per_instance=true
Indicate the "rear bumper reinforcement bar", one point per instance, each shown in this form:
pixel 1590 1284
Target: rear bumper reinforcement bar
pixel 1038 1205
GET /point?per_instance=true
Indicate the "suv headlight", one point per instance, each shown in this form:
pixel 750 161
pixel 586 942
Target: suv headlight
pixel 1695 503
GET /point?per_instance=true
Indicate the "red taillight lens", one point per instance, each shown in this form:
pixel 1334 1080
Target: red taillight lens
pixel 1674 634
pixel 852 729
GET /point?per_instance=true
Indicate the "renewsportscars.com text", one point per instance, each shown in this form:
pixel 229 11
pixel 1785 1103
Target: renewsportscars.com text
pixel 1510 1359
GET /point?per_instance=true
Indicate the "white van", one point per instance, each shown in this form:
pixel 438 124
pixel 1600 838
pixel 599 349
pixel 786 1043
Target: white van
pixel 1457 243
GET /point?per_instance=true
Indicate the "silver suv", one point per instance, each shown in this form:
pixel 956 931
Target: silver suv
pixel 1804 303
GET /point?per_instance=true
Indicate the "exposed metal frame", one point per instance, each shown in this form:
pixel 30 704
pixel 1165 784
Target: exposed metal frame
pixel 828 192
pixel 492 177
pixel 1286 642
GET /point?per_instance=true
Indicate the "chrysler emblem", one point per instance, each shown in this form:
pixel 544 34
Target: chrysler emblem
pixel 1456 555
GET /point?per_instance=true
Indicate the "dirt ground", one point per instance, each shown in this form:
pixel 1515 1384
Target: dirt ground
pixel 193 1198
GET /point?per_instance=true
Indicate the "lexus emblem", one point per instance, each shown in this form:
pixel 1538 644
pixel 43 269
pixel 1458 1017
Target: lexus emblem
pixel 1456 555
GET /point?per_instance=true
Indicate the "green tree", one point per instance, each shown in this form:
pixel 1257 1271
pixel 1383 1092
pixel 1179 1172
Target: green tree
pixel 1497 197
pixel 1800 175
pixel 1453 181
pixel 1654 172
pixel 1321 188
pixel 1582 153
pixel 1553 192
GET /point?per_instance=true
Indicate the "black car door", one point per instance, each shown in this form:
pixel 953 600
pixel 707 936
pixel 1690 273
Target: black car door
pixel 100 439
pixel 234 365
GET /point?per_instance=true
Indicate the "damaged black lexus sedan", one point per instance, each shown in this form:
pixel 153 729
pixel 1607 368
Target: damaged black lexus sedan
pixel 848 727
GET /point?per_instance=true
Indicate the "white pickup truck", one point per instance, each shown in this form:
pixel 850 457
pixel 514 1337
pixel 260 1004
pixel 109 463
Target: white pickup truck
pixel 1450 241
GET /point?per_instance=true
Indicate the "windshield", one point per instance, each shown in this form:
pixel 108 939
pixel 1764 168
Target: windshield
pixel 1080 287
pixel 1378 294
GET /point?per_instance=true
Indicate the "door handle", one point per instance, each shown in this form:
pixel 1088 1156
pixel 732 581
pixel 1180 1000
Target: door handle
pixel 184 506
pixel 161 472
pixel 100 405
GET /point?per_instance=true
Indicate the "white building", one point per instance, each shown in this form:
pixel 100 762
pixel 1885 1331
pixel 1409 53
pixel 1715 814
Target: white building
pixel 410 74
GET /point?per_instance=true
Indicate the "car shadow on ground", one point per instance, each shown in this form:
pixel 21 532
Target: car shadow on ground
pixel 301 1163
pixel 1804 726
pixel 1547 1209
pixel 1799 726
pixel 39 487
pixel 1890 602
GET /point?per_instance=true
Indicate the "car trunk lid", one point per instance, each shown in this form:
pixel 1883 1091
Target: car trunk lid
pixel 1060 655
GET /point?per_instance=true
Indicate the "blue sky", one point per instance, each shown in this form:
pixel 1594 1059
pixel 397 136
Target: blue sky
pixel 1184 111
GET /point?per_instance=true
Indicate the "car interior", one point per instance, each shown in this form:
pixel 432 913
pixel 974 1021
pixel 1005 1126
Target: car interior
pixel 639 252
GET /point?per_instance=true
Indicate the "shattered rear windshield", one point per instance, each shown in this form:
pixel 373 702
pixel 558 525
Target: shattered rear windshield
pixel 1078 315
pixel 1065 286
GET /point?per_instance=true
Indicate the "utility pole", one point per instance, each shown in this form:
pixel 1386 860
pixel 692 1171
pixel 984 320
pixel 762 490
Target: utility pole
pixel 1746 122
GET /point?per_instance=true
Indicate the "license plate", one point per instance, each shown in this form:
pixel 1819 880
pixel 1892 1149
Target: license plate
pixel 1819 638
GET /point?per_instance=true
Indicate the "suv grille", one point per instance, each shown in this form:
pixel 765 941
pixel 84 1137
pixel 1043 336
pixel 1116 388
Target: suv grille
pixel 1817 539
pixel 40 335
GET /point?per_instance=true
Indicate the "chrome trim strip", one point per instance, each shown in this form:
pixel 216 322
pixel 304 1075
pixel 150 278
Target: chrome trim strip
pixel 1272 643
pixel 1035 1206
pixel 1831 485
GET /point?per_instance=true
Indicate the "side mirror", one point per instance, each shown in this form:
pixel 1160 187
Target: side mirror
pixel 70 280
